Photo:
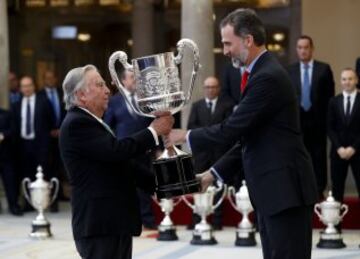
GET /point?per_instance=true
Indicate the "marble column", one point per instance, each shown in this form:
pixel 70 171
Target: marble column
pixel 4 55
pixel 197 24
pixel 142 28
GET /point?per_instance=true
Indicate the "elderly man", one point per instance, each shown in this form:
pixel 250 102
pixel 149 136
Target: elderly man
pixel 101 172
pixel 277 167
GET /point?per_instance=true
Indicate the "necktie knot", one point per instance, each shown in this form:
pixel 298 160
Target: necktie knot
pixel 244 79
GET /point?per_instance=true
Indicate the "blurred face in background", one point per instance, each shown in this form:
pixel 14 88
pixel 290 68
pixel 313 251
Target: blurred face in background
pixel 211 88
pixel 128 81
pixel 304 50
pixel 13 82
pixel 348 80
pixel 50 79
pixel 27 86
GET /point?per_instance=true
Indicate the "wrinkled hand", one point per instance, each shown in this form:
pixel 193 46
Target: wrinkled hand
pixel 342 153
pixel 175 137
pixel 163 123
pixel 350 151
pixel 206 179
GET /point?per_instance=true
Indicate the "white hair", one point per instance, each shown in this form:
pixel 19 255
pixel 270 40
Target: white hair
pixel 74 81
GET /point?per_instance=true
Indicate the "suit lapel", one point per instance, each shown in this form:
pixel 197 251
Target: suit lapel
pixel 340 106
pixel 355 107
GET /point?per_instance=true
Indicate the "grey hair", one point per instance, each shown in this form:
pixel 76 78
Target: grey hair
pixel 74 81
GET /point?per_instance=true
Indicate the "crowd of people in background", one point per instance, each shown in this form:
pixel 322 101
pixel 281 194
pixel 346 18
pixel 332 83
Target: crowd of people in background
pixel 29 129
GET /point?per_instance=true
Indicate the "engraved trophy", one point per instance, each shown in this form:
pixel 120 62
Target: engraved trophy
pixel 329 212
pixel 203 206
pixel 245 232
pixel 40 199
pixel 158 88
pixel 167 230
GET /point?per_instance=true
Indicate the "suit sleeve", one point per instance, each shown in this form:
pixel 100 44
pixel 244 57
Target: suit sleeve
pixel 109 117
pixel 332 120
pixel 330 82
pixel 95 142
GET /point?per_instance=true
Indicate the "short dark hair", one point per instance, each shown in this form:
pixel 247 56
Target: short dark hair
pixel 245 22
pixel 349 69
pixel 306 37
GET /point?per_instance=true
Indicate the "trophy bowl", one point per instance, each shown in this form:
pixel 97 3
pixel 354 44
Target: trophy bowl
pixel 158 88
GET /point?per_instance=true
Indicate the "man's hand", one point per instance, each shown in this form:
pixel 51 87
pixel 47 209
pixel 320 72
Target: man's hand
pixel 342 153
pixel 54 133
pixel 1 137
pixel 176 137
pixel 163 123
pixel 206 179
pixel 350 151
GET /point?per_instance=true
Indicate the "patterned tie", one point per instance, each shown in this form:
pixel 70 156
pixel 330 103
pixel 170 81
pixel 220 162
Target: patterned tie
pixel 347 110
pixel 244 80
pixel 28 118
pixel 306 89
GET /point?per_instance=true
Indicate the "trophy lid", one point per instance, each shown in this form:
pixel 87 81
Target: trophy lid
pixel 39 182
pixel 330 201
pixel 243 192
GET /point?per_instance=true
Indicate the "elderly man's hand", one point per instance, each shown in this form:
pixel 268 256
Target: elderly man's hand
pixel 206 179
pixel 175 137
pixel 163 123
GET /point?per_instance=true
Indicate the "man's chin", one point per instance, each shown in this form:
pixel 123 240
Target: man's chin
pixel 236 62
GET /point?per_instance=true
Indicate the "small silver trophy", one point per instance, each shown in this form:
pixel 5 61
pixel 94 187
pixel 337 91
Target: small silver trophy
pixel 167 230
pixel 329 213
pixel 203 206
pixel 40 199
pixel 158 88
pixel 245 232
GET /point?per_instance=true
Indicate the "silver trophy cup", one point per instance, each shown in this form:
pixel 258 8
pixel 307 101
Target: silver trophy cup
pixel 329 212
pixel 39 198
pixel 167 230
pixel 158 88
pixel 245 232
pixel 204 206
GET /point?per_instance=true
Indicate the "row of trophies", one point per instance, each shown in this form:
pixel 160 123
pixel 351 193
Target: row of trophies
pixel 329 211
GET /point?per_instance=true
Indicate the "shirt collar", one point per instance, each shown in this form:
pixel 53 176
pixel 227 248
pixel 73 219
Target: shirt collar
pixel 352 94
pixel 252 64
pixel 89 112
pixel 310 64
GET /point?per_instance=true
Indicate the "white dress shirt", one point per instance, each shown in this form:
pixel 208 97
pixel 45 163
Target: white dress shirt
pixel 352 99
pixel 213 103
pixel 24 103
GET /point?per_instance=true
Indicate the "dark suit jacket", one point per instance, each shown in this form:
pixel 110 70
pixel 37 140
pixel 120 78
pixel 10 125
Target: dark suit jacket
pixel 277 167
pixel 341 132
pixel 103 200
pixel 61 102
pixel 5 129
pixel 357 68
pixel 43 123
pixel 230 85
pixel 200 117
pixel 322 89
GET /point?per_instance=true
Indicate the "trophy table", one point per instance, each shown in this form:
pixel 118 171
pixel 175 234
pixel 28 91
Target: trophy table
pixel 158 88
pixel 39 198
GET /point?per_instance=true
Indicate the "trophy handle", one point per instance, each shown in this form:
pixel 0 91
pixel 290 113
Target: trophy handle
pixel 123 59
pixel 345 208
pixel 177 202
pixel 316 210
pixel 187 202
pixel 25 183
pixel 196 62
pixel 231 192
pixel 222 196
pixel 54 182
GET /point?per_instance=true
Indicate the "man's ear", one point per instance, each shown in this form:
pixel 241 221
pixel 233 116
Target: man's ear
pixel 80 95
pixel 249 40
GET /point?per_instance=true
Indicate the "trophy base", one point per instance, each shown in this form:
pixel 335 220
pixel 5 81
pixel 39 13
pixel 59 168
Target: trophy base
pixel 40 231
pixel 331 243
pixel 245 238
pixel 167 235
pixel 175 177
pixel 196 240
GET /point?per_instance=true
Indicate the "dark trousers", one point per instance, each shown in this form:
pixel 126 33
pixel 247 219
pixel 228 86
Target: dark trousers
pixel 315 143
pixel 11 183
pixel 147 214
pixel 105 247
pixel 288 234
pixel 339 171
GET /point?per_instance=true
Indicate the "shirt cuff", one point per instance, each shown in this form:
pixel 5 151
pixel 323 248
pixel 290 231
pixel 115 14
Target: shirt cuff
pixel 153 132
pixel 216 175
pixel 188 140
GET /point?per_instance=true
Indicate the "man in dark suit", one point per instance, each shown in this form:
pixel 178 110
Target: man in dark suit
pixel 277 168
pixel 105 209
pixel 213 109
pixel 314 84
pixel 32 122
pixel 14 94
pixel 54 96
pixel 357 68
pixel 344 133
pixel 123 119
pixel 7 171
